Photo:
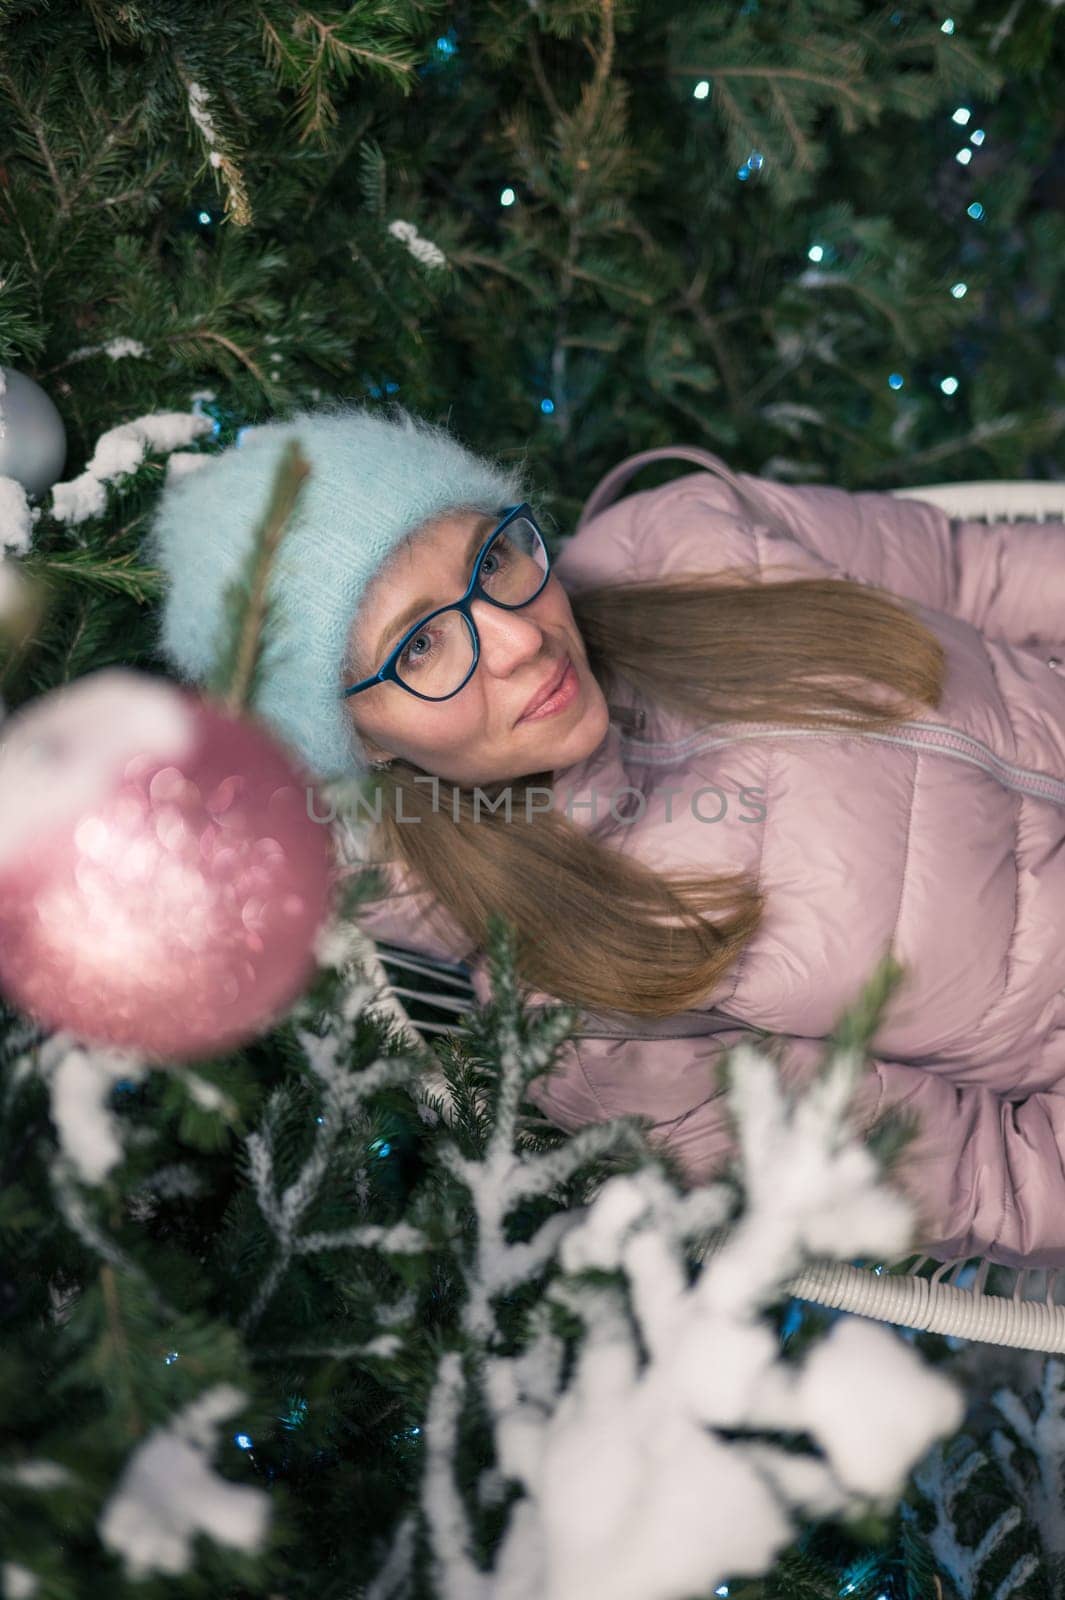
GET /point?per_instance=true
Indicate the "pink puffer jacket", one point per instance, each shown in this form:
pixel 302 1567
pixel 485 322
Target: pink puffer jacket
pixel 942 841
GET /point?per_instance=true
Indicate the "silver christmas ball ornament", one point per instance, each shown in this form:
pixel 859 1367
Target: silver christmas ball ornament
pixel 33 441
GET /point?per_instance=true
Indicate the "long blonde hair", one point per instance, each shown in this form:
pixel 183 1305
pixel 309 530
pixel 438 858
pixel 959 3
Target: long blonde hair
pixel 596 927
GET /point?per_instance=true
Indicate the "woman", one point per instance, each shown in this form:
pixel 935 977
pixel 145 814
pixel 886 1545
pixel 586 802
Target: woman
pixel 798 729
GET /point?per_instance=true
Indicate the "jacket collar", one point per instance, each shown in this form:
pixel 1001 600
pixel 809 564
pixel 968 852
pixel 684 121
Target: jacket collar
pixel 597 794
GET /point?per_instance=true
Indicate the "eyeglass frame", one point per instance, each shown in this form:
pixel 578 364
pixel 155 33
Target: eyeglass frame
pixel 389 673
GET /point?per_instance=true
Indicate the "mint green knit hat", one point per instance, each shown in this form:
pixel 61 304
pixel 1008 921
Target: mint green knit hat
pixel 374 479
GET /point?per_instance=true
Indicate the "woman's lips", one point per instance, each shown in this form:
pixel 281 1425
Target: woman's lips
pixel 561 696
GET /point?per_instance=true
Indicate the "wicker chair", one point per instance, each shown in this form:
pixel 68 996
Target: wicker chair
pixel 971 1299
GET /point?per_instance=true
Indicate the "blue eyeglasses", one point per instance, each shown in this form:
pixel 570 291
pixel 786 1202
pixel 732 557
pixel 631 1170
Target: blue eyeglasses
pixel 522 568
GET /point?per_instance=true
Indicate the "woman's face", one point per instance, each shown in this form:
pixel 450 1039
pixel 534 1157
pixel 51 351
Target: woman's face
pixel 476 737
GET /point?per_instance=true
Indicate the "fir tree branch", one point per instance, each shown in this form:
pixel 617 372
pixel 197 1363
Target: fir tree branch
pixel 234 349
pixel 114 575
pixel 33 122
pixel 288 480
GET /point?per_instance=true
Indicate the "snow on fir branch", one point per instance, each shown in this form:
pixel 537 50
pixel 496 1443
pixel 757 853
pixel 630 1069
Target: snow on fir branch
pixel 169 1493
pixel 119 452
pixel 17 521
pixel 944 1478
pixel 117 349
pixel 344 1095
pixel 630 1489
pixel 1038 1483
pixel 423 250
pixel 238 201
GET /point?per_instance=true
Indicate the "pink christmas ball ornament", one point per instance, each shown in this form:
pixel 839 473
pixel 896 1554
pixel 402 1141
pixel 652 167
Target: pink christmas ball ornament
pixel 161 879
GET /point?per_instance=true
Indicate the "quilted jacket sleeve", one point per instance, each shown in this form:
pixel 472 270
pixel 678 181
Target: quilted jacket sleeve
pixel 986 1175
pixel 1007 579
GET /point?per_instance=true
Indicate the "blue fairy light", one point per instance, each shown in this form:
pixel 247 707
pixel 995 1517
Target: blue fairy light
pixel 948 26
pixel 547 406
pixel 204 216
pixel 756 161
pixel 445 48
pixel 949 385
pixel 975 211
pixel 508 197
pixel 381 1147
pixel 978 136
pixel 319 1119
pixel 170 1357
pixel 242 1441
pixel 959 290
pixel 896 380
pixel 723 1589
pixel 701 90
pixel 197 407
pixel 743 173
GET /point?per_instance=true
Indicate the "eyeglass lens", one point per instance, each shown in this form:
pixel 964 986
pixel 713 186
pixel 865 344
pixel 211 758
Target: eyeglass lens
pixel 436 660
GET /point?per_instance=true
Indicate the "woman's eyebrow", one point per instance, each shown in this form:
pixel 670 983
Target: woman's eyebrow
pixel 411 613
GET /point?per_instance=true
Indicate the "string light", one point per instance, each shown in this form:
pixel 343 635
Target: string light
pixel 508 197
pixel 964 155
pixel 701 90
pixel 958 290
pixel 962 115
pixel 978 136
pixel 896 380
pixel 975 211
pixel 949 385
pixel 948 26
pixel 816 252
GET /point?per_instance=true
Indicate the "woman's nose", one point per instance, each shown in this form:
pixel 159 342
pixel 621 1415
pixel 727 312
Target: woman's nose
pixel 507 637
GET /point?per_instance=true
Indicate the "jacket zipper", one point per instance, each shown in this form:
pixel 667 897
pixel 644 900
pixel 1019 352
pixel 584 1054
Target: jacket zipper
pixel 920 736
